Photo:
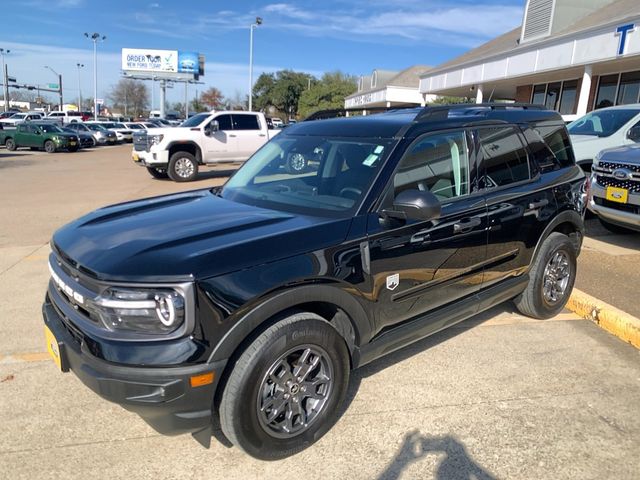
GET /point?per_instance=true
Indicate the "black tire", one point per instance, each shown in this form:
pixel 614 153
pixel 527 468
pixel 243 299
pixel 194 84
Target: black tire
pixel 615 228
pixel 49 146
pixel 73 149
pixel 10 144
pixel 160 173
pixel 241 421
pixel 296 163
pixel 183 167
pixel 533 302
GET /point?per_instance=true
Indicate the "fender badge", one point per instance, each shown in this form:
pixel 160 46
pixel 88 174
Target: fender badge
pixel 393 281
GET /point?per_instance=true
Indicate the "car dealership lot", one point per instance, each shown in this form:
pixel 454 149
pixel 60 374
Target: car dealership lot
pixel 499 395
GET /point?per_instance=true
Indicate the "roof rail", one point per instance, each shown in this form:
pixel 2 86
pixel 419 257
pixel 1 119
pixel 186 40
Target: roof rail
pixel 440 112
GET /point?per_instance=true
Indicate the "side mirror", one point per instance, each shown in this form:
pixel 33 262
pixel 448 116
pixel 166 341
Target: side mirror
pixel 212 128
pixel 634 133
pixel 415 205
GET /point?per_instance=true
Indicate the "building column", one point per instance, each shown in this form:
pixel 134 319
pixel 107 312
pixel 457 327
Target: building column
pixel 423 103
pixel 479 94
pixel 585 88
pixel 364 113
pixel 388 104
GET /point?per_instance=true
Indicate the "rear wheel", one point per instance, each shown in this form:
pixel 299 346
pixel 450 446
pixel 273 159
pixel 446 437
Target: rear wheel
pixel 551 278
pixel 183 167
pixel 10 144
pixel 286 389
pixel 160 173
pixel 49 146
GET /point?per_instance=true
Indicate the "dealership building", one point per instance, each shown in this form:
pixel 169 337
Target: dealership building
pixel 388 89
pixel 570 55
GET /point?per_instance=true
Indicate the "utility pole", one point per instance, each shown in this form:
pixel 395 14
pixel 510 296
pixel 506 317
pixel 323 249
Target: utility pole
pixel 59 86
pixel 5 81
pixel 186 100
pixel 253 25
pixel 79 65
pixel 95 38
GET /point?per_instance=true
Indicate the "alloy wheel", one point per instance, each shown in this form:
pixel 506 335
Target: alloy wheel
pixel 556 277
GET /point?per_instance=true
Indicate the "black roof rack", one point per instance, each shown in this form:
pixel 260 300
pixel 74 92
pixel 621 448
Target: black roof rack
pixel 342 112
pixel 441 112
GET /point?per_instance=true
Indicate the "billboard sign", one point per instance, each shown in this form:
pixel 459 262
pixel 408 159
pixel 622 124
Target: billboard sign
pixel 160 62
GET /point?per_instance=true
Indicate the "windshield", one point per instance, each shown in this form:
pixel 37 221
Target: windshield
pixel 601 123
pixel 309 175
pixel 95 127
pixel 134 126
pixel 19 115
pixel 195 120
pixel 50 128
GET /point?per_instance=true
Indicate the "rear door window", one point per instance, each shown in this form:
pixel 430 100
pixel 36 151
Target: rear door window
pixel 503 157
pixel 245 122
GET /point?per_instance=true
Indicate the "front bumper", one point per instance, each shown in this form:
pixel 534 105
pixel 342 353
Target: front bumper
pixel 163 397
pixel 621 215
pixel 151 159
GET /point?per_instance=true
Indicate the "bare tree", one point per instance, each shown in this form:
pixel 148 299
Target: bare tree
pixel 130 95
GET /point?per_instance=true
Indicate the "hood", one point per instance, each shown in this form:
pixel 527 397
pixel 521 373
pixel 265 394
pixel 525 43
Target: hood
pixel 160 130
pixel 628 154
pixel 586 147
pixel 190 235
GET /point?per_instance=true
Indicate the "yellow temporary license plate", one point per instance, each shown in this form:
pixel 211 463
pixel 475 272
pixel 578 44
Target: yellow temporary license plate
pixel 135 157
pixel 52 347
pixel 615 194
pixel 72 143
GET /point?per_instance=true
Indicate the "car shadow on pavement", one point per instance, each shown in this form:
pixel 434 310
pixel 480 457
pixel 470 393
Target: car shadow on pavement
pixel 457 464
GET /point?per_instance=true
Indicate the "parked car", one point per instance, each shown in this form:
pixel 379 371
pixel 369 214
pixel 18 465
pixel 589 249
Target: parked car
pixel 101 135
pixel 85 139
pixel 204 139
pixel 604 128
pixel 277 122
pixel 6 114
pixel 614 193
pixel 133 126
pixel 123 134
pixel 17 118
pixel 251 303
pixel 65 117
pixel 39 135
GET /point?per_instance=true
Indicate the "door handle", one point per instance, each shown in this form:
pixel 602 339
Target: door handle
pixel 420 237
pixel 232 135
pixel 466 225
pixel 262 135
pixel 538 204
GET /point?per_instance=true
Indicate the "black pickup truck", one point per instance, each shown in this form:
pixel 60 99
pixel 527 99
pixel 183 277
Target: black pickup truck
pixel 247 306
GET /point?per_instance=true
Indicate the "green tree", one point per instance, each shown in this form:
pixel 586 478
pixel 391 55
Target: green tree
pixel 327 93
pixel 132 96
pixel 281 90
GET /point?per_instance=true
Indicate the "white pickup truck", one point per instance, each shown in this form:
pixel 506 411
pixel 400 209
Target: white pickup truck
pixel 204 139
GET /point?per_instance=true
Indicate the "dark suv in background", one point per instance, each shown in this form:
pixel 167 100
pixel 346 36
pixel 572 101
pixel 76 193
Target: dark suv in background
pixel 248 305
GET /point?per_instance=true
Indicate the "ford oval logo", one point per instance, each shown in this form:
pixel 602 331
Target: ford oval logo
pixel 621 174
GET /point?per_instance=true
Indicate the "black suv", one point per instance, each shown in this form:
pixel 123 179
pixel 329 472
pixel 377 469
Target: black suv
pixel 247 306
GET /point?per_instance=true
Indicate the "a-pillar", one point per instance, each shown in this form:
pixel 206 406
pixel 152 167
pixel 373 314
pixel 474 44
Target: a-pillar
pixel 585 88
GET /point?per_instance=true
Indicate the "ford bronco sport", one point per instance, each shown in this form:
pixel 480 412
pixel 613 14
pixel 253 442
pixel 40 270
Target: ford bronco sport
pixel 247 306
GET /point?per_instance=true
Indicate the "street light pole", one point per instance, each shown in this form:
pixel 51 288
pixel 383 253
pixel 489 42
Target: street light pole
pixel 95 38
pixel 79 65
pixel 253 25
pixel 59 86
pixel 5 81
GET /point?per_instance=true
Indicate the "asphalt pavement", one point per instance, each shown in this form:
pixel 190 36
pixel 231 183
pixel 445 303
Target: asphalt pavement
pixel 498 396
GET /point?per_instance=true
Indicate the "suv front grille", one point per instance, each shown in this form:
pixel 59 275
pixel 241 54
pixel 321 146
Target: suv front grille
pixel 606 181
pixel 140 142
pixel 611 166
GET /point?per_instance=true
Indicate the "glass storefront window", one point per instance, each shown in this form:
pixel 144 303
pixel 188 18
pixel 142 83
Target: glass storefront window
pixel 568 99
pixel 606 91
pixel 553 95
pixel 629 90
pixel 538 94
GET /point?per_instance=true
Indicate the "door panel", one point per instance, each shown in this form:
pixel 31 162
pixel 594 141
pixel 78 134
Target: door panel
pixel 246 128
pixel 419 266
pixel 222 144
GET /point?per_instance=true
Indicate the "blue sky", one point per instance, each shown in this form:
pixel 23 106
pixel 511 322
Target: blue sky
pixel 313 36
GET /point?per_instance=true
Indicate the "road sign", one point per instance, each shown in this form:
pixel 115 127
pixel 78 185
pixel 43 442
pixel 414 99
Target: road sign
pixel 100 101
pixel 55 86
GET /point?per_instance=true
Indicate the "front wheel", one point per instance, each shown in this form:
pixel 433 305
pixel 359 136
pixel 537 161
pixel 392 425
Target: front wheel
pixel 551 278
pixel 160 173
pixel 183 167
pixel 49 146
pixel 285 391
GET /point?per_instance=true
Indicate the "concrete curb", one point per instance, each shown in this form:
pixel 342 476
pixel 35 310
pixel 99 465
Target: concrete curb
pixel 621 324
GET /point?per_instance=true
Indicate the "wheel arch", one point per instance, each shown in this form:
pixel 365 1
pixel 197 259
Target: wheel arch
pixel 568 222
pixel 189 146
pixel 336 306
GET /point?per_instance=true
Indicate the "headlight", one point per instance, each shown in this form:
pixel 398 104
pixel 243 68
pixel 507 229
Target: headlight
pixel 596 160
pixel 155 139
pixel 56 139
pixel 143 311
